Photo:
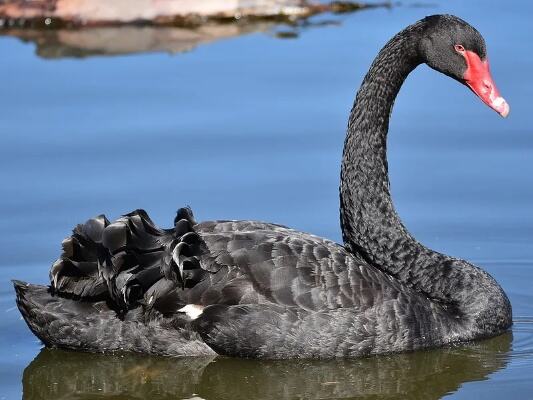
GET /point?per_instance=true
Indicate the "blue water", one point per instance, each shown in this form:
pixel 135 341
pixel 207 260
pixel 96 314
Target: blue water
pixel 252 127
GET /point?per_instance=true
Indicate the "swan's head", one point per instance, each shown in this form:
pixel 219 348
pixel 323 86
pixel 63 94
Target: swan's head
pixel 453 47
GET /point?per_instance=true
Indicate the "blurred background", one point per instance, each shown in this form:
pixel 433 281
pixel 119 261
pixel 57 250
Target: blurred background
pixel 245 119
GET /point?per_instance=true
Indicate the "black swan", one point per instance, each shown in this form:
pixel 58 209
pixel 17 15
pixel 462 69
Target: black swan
pixel 254 289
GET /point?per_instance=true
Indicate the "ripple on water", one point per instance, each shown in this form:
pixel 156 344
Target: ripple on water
pixel 522 350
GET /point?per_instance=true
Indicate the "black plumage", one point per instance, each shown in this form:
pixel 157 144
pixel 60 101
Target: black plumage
pixel 254 289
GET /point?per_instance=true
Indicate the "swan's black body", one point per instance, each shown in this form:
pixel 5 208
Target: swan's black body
pixel 269 291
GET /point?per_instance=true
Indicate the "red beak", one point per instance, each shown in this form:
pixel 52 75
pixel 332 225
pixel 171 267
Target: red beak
pixel 477 77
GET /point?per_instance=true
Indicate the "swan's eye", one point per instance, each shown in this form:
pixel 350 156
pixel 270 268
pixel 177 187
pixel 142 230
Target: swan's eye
pixel 459 48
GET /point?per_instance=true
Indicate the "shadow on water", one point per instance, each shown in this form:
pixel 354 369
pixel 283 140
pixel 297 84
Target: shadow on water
pixel 56 374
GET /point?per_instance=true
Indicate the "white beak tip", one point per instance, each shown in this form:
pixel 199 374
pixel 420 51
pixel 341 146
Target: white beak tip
pixel 505 112
pixel 501 106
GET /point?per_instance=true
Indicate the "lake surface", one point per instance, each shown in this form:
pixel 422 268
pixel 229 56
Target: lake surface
pixel 252 127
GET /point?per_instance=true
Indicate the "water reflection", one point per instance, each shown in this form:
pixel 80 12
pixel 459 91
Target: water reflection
pixel 117 40
pixel 56 374
pixel 130 39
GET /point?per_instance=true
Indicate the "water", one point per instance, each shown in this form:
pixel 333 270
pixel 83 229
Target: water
pixel 252 127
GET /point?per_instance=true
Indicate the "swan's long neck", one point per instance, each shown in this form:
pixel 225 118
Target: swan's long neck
pixel 370 225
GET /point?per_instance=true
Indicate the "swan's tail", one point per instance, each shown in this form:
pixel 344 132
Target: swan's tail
pixel 31 299
pixel 94 327
pixel 115 283
pixel 62 322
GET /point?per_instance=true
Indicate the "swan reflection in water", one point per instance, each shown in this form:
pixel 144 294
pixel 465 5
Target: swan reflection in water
pixel 57 374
